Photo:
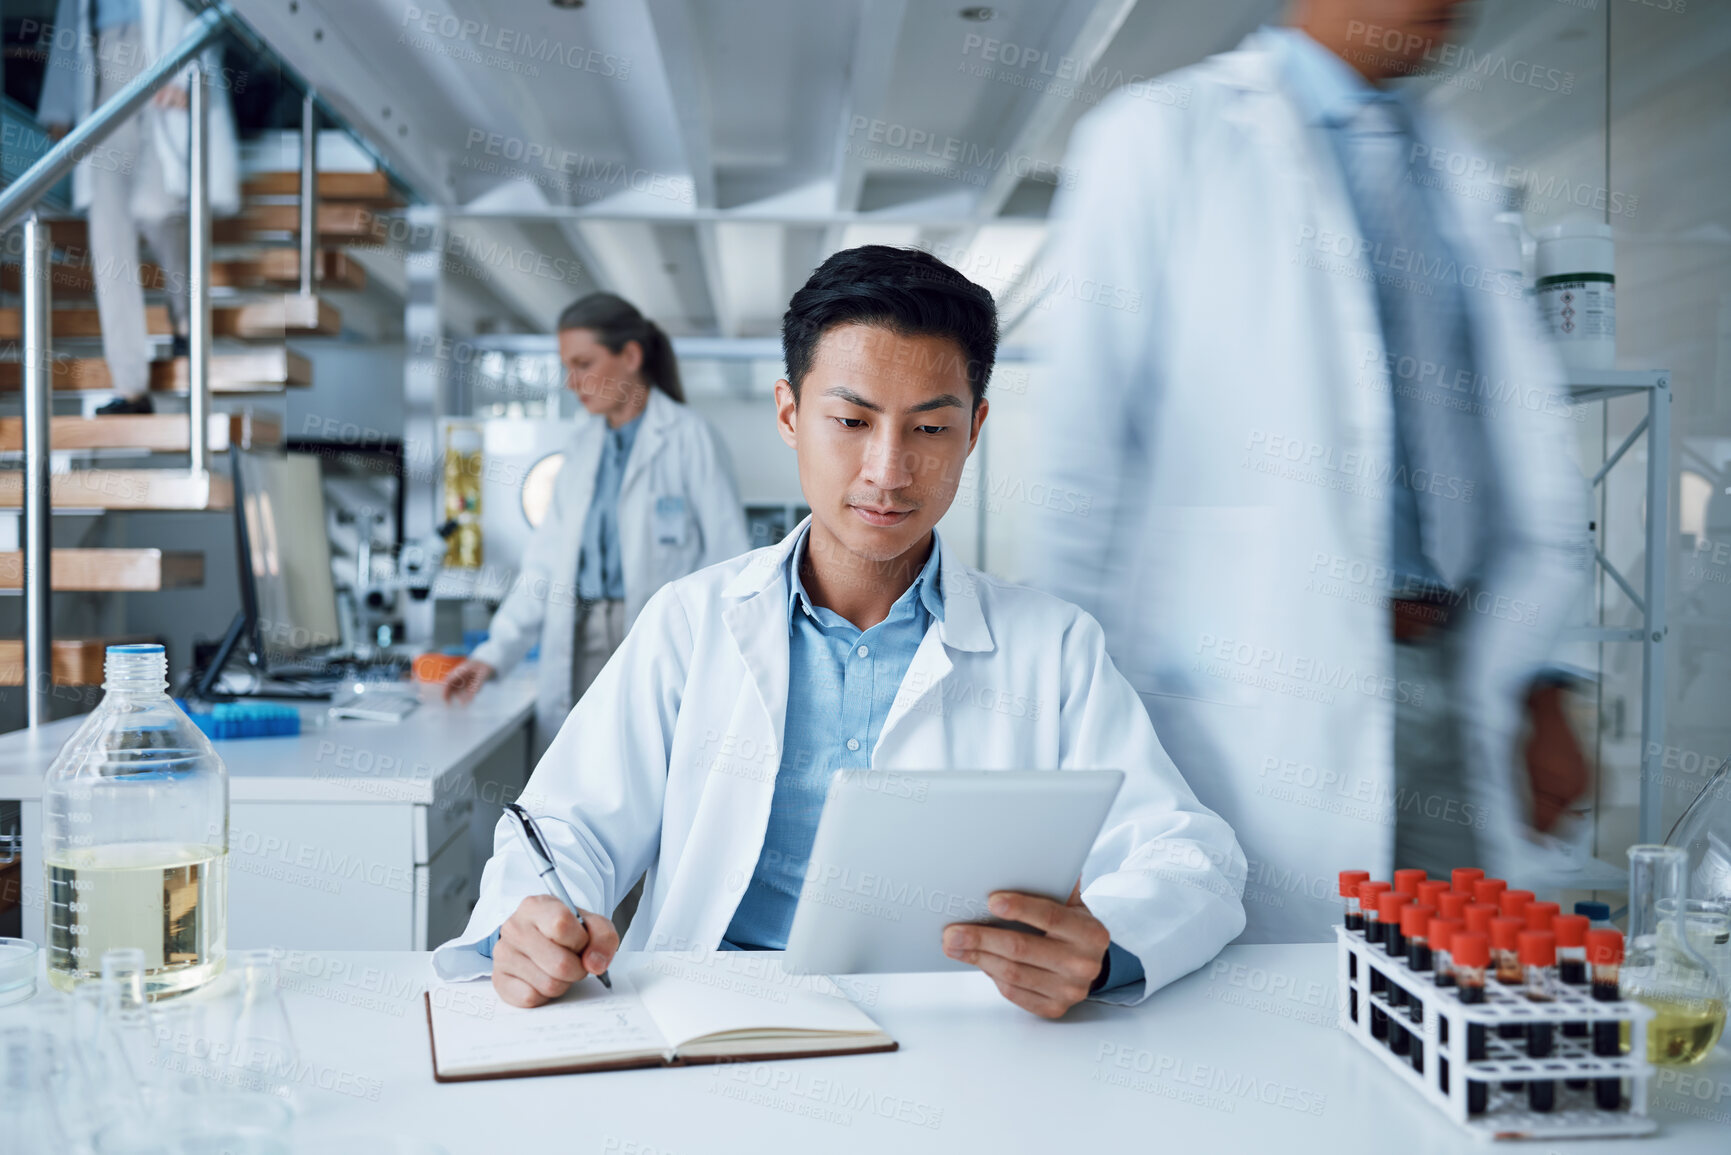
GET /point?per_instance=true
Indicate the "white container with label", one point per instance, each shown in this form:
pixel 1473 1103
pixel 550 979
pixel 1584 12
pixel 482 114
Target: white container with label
pixel 1575 283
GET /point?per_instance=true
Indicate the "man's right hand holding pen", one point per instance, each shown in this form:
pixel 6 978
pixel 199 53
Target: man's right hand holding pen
pixel 543 949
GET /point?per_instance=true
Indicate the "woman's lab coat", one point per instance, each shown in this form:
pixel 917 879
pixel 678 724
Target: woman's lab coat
pixel 1226 413
pixel 679 510
pixel 69 97
pixel 668 763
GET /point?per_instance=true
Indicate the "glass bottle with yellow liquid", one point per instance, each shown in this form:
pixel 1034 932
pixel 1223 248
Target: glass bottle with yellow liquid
pixel 1662 969
pixel 135 836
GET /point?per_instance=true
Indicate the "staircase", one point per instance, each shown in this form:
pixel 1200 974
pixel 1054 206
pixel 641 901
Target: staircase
pixel 255 271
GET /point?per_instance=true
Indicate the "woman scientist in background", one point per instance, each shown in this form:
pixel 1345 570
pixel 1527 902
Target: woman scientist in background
pixel 646 495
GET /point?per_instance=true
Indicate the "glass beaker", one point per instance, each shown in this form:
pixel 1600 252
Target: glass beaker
pixel 1661 969
pixel 135 841
pixel 1703 834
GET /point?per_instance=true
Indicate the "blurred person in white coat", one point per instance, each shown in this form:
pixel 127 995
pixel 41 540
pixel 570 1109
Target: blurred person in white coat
pixel 135 181
pixel 701 757
pixel 646 495
pixel 1333 530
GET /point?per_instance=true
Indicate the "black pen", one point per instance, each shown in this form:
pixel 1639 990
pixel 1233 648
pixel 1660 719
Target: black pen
pixel 530 836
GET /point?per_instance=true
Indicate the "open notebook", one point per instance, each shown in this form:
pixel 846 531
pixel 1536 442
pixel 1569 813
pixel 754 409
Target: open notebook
pixel 664 1010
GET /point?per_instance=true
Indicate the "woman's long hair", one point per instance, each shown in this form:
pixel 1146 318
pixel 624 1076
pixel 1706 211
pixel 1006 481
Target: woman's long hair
pixel 614 321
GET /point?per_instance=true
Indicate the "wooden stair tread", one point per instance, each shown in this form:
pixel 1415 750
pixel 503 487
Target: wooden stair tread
pixel 135 489
pixel 254 371
pixel 349 222
pixel 73 661
pixel 155 432
pixel 80 322
pixel 111 570
pixel 276 268
pixel 370 187
pixel 271 317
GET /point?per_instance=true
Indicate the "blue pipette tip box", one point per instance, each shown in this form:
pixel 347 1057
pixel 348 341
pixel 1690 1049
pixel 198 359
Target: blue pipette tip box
pixel 227 720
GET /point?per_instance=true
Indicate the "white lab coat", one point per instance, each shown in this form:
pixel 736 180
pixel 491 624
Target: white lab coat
pixel 69 97
pixel 1209 551
pixel 679 510
pixel 668 764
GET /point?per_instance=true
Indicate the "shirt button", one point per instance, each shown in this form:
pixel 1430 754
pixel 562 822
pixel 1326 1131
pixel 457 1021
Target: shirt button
pixel 863 651
pixel 853 743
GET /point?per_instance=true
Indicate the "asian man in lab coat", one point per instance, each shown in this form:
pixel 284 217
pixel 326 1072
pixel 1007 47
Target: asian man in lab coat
pixel 701 755
pixel 1334 530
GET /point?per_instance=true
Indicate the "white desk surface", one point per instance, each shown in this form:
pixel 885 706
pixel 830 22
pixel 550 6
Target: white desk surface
pixel 1242 1056
pixel 328 761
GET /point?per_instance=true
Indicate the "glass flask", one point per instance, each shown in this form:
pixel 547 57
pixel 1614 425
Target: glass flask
pixel 263 1046
pixel 1661 968
pixel 1703 834
pixel 135 841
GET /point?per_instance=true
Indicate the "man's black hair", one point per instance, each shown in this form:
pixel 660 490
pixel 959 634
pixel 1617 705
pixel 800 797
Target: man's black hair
pixel 907 291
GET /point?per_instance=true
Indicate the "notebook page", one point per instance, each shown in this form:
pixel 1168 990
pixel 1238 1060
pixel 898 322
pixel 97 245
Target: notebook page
pixel 691 994
pixel 480 1032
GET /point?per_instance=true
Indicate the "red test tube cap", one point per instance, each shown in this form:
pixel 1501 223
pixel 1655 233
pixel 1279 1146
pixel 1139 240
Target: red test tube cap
pixel 1349 880
pixel 1406 881
pixel 1463 877
pixel 1487 889
pixel 1453 904
pixel 1513 903
pixel 1571 929
pixel 1604 947
pixel 1542 915
pixel 1478 917
pixel 1506 933
pixel 1538 948
pixel 1388 905
pixel 1470 950
pixel 1442 932
pixel 1415 919
pixel 1367 892
pixel 1431 891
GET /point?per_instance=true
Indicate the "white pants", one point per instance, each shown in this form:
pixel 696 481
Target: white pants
pixel 128 197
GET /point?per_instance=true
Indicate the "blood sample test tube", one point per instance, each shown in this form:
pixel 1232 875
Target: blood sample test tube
pixel 1367 892
pixel 1506 952
pixel 1513 904
pixel 1415 928
pixel 1388 905
pixel 1540 915
pixel 1461 879
pixel 1571 932
pixel 1442 962
pixel 1478 917
pixel 1487 890
pixel 1406 882
pixel 1452 904
pixel 1539 962
pixel 1605 957
pixel 1472 954
pixel 1349 880
pixel 1431 891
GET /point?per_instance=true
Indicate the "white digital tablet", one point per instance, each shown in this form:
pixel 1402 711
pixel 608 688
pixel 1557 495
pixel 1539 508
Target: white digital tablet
pixel 900 855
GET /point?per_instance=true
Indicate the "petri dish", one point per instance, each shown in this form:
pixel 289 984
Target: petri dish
pixel 19 961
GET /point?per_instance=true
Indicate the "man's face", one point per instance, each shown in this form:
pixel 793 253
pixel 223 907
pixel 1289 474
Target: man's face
pixel 1404 33
pixel 883 426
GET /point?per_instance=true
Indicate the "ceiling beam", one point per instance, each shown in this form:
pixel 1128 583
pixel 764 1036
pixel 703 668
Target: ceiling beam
pixel 877 33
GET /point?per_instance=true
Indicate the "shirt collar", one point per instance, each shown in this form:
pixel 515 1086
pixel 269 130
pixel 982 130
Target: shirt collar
pixel 623 436
pixel 925 585
pixel 1328 90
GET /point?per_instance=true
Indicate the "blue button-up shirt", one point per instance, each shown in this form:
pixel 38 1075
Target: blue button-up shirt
pixel 1330 93
pixel 841 681
pixel 600 569
pixel 109 13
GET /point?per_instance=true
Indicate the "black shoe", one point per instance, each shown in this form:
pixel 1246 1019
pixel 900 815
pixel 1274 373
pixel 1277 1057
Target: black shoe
pixel 179 347
pixel 122 405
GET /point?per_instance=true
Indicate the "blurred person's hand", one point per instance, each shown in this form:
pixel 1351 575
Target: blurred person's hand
pixel 1556 768
pixel 462 682
pixel 56 131
pixel 170 96
pixel 543 949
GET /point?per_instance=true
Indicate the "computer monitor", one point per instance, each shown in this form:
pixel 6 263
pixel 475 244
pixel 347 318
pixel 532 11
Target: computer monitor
pixel 285 555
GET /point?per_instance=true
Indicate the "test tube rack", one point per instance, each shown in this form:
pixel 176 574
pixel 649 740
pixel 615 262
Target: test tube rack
pixel 1507 1113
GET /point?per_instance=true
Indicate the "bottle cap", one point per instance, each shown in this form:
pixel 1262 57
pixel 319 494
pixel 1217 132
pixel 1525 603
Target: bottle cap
pixel 1429 892
pixel 1415 919
pixel 1542 915
pixel 1442 932
pixel 1513 903
pixel 1367 892
pixel 1388 905
pixel 1470 950
pixel 1349 880
pixel 1570 929
pixel 1487 889
pixel 1538 948
pixel 1406 881
pixel 1506 933
pixel 1452 904
pixel 1597 911
pixel 1604 947
pixel 1478 917
pixel 1463 877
